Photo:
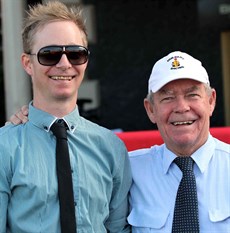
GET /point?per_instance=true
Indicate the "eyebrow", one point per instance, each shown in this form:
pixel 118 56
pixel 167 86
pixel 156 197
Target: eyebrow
pixel 193 88
pixel 165 92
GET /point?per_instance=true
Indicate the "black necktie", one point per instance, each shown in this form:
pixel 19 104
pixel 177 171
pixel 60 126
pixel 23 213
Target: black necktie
pixel 186 218
pixel 65 186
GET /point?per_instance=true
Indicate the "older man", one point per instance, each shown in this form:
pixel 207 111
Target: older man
pixel 180 101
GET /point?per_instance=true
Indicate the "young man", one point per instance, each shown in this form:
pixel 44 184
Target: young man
pixel 55 56
pixel 180 101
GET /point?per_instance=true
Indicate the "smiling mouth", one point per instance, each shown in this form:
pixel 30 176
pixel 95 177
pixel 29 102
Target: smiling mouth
pixel 62 77
pixel 182 123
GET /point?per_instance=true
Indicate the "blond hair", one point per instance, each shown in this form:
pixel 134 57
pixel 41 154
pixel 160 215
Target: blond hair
pixel 42 14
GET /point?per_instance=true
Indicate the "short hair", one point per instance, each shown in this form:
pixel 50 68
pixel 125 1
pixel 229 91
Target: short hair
pixel 42 14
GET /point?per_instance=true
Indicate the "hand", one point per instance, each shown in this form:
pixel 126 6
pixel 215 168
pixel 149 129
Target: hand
pixel 20 117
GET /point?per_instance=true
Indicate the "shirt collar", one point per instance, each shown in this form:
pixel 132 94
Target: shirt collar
pixel 45 120
pixel 168 157
pixel 201 157
pixel 204 154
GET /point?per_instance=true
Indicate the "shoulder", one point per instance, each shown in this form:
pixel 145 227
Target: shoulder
pixel 10 130
pixel 13 136
pixel 140 153
pixel 146 152
pixel 221 156
pixel 9 135
pixel 4 129
pixel 143 157
pixel 98 132
pixel 222 147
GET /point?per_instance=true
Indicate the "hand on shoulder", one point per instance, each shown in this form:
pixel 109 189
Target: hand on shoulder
pixel 19 117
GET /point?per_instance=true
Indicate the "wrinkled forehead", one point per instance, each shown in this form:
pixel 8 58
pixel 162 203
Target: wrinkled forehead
pixel 182 85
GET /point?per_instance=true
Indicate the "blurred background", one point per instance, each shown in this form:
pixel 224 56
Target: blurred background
pixel 126 38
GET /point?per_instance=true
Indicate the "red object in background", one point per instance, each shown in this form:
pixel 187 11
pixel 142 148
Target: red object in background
pixel 144 139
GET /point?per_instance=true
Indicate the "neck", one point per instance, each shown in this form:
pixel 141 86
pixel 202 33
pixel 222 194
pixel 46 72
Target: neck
pixel 57 108
pixel 186 150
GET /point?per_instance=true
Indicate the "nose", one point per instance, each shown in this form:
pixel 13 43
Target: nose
pixel 181 105
pixel 64 62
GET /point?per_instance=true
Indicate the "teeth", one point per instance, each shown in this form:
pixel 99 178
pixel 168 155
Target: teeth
pixel 183 123
pixel 61 78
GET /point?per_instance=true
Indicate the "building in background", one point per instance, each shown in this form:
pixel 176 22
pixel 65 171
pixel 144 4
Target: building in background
pixel 125 39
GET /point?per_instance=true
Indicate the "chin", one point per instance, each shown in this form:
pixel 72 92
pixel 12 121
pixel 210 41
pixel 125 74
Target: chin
pixel 64 97
pixel 184 140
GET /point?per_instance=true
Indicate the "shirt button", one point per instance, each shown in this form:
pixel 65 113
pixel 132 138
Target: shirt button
pixel 72 127
pixel 75 203
pixel 45 127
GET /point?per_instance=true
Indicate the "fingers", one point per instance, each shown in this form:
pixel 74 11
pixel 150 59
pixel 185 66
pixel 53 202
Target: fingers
pixel 15 120
pixel 25 110
pixel 20 117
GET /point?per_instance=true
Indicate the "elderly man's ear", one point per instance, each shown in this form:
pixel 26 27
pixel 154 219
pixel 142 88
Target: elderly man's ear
pixel 149 110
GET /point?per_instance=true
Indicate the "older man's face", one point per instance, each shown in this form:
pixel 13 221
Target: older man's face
pixel 182 111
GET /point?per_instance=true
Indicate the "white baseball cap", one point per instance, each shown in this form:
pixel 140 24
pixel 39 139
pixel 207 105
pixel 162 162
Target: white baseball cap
pixel 176 65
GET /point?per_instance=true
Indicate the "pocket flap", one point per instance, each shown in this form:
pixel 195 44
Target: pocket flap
pixel 219 215
pixel 140 216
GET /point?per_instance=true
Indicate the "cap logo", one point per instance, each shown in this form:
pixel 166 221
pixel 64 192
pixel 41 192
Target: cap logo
pixel 175 63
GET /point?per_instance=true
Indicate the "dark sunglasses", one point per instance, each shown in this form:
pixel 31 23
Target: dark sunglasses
pixel 51 55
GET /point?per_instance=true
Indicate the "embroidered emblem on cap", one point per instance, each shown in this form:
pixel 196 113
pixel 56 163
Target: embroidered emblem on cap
pixel 176 64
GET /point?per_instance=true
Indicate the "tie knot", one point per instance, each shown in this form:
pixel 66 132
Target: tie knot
pixel 184 163
pixel 59 129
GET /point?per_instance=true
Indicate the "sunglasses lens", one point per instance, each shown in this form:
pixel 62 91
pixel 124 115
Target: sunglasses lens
pixel 77 55
pixel 51 55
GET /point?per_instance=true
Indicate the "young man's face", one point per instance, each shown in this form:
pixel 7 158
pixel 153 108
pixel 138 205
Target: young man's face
pixel 59 82
pixel 182 110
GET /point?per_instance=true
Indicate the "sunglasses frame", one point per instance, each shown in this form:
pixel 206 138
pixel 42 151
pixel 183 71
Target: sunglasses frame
pixel 64 50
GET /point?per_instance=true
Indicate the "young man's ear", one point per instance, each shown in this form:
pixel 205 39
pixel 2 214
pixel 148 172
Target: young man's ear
pixel 26 63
